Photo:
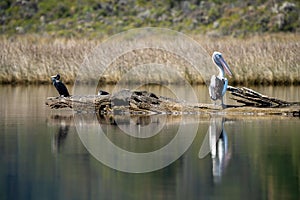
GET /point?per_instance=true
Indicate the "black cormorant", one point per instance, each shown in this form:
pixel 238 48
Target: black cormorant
pixel 60 87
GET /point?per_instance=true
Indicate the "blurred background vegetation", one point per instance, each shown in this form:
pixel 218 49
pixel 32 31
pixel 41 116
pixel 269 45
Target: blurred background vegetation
pixel 93 19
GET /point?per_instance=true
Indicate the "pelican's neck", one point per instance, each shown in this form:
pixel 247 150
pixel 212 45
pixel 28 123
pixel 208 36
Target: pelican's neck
pixel 219 66
pixel 221 72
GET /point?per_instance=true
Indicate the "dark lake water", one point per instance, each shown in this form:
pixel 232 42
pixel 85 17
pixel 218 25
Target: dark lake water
pixel 44 157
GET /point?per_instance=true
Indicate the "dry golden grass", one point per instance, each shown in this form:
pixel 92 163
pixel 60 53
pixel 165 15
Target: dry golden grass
pixel 268 59
pixel 33 59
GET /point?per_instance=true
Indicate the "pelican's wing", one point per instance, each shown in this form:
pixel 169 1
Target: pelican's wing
pixel 215 88
pixel 225 84
pixel 212 87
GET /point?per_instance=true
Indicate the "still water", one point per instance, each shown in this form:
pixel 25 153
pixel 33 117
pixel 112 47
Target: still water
pixel 42 156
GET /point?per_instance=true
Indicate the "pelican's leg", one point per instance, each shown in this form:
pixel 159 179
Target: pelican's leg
pixel 222 103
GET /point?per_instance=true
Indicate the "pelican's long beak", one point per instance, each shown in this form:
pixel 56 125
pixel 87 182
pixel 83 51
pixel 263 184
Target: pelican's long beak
pixel 226 67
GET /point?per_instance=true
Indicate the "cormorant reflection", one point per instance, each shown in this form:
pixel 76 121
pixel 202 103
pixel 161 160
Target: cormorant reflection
pixel 59 137
pixel 216 142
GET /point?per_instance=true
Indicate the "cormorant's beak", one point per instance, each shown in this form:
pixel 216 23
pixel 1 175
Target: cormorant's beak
pixel 226 67
pixel 53 77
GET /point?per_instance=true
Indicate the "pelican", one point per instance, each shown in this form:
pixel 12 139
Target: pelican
pixel 60 87
pixel 218 84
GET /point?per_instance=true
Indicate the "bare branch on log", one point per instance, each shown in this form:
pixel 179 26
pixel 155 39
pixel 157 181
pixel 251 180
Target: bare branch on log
pixel 252 98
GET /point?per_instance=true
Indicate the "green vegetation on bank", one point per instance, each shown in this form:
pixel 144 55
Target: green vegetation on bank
pixel 93 19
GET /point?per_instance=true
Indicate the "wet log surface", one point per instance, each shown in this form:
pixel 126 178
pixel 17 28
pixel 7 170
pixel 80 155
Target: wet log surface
pixel 248 102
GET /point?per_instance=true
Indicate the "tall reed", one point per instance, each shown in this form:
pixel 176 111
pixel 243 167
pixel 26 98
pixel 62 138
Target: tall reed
pixel 267 59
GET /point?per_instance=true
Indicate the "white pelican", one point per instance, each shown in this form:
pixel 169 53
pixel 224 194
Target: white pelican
pixel 218 84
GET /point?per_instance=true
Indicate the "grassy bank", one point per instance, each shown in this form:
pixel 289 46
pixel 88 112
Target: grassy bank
pixel 263 59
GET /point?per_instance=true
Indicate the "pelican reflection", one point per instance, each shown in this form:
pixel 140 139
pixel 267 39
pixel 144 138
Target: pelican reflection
pixel 216 144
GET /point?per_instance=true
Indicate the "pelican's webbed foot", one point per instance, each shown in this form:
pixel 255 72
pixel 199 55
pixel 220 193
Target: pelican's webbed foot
pixel 224 106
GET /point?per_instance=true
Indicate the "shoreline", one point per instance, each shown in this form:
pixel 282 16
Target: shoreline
pixel 37 83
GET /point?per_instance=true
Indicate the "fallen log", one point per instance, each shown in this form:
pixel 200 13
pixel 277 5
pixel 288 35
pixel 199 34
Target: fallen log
pixel 249 102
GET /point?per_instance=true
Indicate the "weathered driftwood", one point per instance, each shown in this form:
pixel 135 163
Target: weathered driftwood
pixel 141 102
pixel 252 98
